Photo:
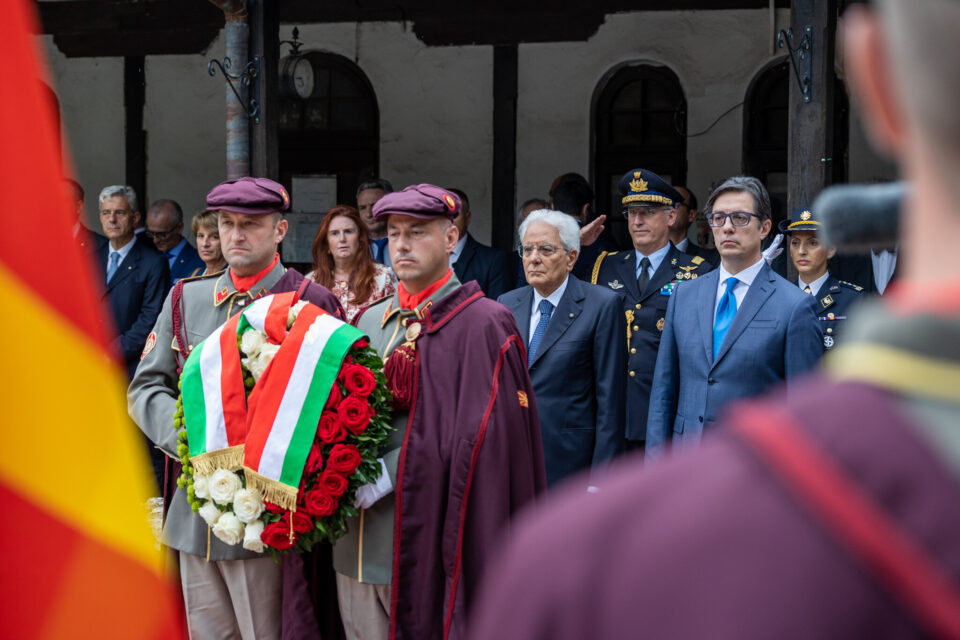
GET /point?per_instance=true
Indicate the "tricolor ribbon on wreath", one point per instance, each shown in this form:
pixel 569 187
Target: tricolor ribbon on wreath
pixel 269 434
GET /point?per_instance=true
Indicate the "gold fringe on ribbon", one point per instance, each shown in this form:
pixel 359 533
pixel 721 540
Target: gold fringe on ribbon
pixel 276 492
pixel 230 459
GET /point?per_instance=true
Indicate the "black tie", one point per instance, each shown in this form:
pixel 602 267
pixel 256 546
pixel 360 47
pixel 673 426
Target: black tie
pixel 644 278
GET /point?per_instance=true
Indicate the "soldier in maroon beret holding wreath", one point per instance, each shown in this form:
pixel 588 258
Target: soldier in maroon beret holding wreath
pixel 466 452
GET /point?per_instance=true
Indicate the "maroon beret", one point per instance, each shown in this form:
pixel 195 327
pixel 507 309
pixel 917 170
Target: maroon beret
pixel 249 195
pixel 420 201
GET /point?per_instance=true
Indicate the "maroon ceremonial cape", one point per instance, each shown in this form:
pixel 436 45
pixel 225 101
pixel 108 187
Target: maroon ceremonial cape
pixel 713 543
pixel 471 457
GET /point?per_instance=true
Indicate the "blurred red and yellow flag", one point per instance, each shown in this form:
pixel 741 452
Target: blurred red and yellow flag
pixel 79 556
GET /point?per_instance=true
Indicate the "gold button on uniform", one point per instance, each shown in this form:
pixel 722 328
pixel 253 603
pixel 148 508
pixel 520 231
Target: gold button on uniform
pixel 638 305
pixel 636 328
pixel 633 350
pixel 633 374
pixel 829 329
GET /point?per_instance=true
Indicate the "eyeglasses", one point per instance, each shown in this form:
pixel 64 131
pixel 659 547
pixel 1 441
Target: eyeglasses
pixel 160 235
pixel 737 218
pixel 105 213
pixel 545 250
pixel 642 212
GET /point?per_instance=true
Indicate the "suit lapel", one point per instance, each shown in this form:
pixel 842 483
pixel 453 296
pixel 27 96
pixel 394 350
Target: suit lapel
pixel 707 301
pixel 466 257
pixel 757 294
pixel 563 316
pixel 825 297
pixel 125 269
pixel 627 273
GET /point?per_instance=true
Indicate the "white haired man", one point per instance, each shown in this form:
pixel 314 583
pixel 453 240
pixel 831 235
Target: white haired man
pixel 576 337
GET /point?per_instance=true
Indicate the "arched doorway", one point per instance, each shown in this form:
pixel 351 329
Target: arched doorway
pixel 639 120
pixel 766 126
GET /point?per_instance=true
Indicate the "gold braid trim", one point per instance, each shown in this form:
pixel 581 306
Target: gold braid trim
pixel 230 459
pixel 647 198
pixel 596 267
pixel 629 314
pixel 276 492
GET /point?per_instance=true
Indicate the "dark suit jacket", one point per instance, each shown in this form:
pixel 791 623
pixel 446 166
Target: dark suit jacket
pixel 489 267
pixel 135 295
pixel 578 376
pixel 645 313
pixel 774 336
pixel 186 263
pixel 858 269
pixel 710 255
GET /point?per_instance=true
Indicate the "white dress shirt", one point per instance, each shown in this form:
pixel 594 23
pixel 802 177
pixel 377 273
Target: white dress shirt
pixel 744 279
pixel 884 264
pixel 815 285
pixel 123 251
pixel 457 250
pixel 553 298
pixel 683 244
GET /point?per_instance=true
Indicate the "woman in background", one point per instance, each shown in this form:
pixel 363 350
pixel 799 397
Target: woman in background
pixel 208 242
pixel 342 262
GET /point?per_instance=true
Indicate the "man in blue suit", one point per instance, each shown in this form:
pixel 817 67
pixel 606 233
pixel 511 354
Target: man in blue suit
pixel 165 227
pixel 135 273
pixel 577 348
pixel 472 260
pixel 733 332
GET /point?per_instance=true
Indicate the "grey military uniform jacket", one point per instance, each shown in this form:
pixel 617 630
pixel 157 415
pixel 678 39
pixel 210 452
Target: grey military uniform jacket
pixel 365 553
pixel 152 396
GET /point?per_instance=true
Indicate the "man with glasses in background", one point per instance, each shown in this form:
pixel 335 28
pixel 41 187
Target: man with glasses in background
pixel 731 334
pixel 165 228
pixel 645 278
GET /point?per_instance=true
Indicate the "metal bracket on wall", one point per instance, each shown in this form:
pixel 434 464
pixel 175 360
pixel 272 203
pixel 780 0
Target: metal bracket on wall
pixel 803 54
pixel 250 71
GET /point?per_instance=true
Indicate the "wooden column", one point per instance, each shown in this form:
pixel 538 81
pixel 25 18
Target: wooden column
pixel 264 20
pixel 811 123
pixel 134 97
pixel 503 199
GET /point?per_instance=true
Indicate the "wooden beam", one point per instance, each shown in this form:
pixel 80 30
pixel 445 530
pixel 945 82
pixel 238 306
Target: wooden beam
pixel 458 29
pixel 131 42
pixel 265 43
pixel 503 200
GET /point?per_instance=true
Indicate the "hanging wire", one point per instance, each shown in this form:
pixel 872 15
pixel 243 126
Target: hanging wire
pixel 677 122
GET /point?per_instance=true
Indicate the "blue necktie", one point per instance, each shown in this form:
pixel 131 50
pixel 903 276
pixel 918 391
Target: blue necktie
pixel 170 255
pixel 545 310
pixel 114 263
pixel 726 311
pixel 380 248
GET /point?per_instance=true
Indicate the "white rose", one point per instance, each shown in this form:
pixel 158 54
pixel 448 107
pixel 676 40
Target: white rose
pixel 210 513
pixel 223 485
pixel 201 486
pixel 229 528
pixel 253 366
pixel 251 341
pixel 267 351
pixel 246 504
pixel 294 312
pixel 251 537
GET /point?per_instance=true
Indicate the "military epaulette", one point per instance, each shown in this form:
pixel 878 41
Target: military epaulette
pixel 596 265
pixel 202 276
pixel 850 285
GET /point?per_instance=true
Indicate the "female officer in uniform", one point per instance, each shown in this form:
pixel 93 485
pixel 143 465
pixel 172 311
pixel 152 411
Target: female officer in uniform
pixel 810 257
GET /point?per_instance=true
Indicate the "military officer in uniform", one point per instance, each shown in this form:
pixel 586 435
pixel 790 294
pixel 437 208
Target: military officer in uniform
pixel 228 592
pixel 645 278
pixel 810 258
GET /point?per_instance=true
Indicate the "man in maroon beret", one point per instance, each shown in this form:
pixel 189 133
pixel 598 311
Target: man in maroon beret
pixel 236 593
pixel 831 513
pixel 466 452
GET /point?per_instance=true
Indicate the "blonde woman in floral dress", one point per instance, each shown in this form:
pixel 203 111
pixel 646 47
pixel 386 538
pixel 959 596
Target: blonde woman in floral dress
pixel 342 262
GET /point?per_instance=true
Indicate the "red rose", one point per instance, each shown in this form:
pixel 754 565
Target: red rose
pixel 344 459
pixel 358 380
pixel 301 522
pixel 362 343
pixel 273 508
pixel 355 413
pixel 320 503
pixel 334 398
pixel 333 483
pixel 277 535
pixel 314 461
pixel 330 429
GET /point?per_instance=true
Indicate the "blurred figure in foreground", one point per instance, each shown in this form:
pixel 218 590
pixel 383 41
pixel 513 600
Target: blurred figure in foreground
pixel 828 514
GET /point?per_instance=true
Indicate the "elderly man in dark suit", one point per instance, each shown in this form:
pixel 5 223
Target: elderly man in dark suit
pixel 734 332
pixel 471 260
pixel 577 348
pixel 136 274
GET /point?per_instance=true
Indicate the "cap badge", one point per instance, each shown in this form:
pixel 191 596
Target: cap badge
pixel 450 202
pixel 286 198
pixel 805 215
pixel 638 183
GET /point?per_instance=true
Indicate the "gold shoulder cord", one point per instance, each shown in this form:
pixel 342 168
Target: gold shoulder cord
pixel 596 267
pixel 629 314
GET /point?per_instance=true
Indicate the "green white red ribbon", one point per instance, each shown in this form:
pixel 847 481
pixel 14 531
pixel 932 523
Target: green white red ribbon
pixel 270 433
